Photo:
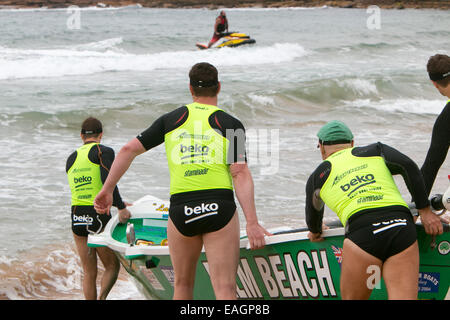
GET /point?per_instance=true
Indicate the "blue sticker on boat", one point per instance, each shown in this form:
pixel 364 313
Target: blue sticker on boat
pixel 429 281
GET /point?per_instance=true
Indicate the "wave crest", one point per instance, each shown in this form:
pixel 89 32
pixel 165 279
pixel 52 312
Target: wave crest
pixel 102 56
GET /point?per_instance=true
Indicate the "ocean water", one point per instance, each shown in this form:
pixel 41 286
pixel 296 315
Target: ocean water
pixel 127 66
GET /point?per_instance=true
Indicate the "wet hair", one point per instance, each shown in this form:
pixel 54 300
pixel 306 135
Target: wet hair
pixel 203 78
pixel 91 128
pixel 438 68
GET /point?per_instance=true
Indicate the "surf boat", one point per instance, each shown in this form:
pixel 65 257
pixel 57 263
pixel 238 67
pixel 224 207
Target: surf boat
pixel 230 39
pixel 288 267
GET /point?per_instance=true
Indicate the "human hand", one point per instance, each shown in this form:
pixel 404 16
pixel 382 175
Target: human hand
pixel 255 234
pixel 103 202
pixel 124 215
pixel 431 222
pixel 315 237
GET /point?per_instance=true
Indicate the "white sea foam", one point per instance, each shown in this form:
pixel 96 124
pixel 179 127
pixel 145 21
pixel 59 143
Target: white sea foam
pixel 100 45
pixel 45 63
pixel 417 106
pixel 274 9
pixel 264 100
pixel 53 272
pixel 139 6
pixel 360 86
pixel 91 8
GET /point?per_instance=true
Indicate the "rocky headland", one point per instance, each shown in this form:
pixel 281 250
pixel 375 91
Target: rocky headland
pixel 215 4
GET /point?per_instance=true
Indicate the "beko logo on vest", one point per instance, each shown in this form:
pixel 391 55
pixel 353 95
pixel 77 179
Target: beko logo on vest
pixel 194 148
pixel 367 179
pixel 83 179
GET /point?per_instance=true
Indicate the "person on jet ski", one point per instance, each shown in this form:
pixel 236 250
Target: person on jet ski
pixel 220 26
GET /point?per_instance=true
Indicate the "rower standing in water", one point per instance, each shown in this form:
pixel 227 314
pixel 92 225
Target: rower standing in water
pixel 438 68
pixel 87 169
pixel 220 26
pixel 205 149
pixel 357 184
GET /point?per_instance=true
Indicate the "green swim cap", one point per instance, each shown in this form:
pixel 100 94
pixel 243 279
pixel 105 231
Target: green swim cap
pixel 335 132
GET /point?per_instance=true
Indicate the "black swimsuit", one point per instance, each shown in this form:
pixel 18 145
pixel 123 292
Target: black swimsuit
pixel 196 212
pixel 383 231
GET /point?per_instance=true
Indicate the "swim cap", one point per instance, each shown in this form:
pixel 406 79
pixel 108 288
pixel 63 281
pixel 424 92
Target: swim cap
pixel 335 132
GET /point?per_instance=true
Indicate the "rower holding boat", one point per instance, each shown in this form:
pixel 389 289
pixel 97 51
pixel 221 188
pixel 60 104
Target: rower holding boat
pixel 438 68
pixel 205 162
pixel 87 169
pixel 357 184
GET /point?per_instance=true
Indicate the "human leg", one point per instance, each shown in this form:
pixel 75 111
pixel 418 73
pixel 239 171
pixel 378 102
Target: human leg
pixel 112 268
pixel 222 252
pixel 401 274
pixel 213 40
pixel 88 259
pixel 354 273
pixel 184 253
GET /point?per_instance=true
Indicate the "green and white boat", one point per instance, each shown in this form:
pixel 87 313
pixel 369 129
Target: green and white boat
pixel 289 267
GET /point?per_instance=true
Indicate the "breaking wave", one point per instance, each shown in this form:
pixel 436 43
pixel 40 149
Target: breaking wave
pixel 106 56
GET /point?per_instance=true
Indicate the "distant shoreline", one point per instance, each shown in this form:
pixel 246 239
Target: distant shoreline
pixel 385 4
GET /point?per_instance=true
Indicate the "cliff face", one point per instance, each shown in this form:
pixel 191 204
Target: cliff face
pixel 213 4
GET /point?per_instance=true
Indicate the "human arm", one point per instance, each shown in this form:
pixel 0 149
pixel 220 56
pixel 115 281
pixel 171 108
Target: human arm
pixel 314 205
pixel 148 139
pixel 125 157
pixel 104 156
pixel 399 163
pixel 244 188
pixel 437 152
pixel 233 130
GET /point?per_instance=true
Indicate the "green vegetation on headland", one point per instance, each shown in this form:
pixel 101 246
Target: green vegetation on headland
pixel 215 4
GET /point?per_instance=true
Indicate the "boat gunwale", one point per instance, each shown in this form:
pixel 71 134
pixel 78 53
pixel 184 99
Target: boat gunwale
pixel 131 252
pixel 106 238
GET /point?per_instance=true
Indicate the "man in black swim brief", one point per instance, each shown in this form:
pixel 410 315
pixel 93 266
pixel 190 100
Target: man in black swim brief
pixel 357 184
pixel 206 165
pixel 87 169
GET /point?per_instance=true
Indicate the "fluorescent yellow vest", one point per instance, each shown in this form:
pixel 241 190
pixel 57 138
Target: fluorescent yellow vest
pixel 84 178
pixel 197 154
pixel 358 183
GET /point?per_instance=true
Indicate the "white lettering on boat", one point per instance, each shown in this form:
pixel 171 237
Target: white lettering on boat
pixel 305 275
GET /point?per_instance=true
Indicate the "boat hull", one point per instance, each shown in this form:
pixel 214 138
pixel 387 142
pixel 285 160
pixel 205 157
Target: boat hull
pixel 288 267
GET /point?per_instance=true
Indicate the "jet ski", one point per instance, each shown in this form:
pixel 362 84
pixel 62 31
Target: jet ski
pixel 229 39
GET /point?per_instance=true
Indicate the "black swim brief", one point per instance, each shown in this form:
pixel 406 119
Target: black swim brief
pixel 382 233
pixel 196 213
pixel 85 220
